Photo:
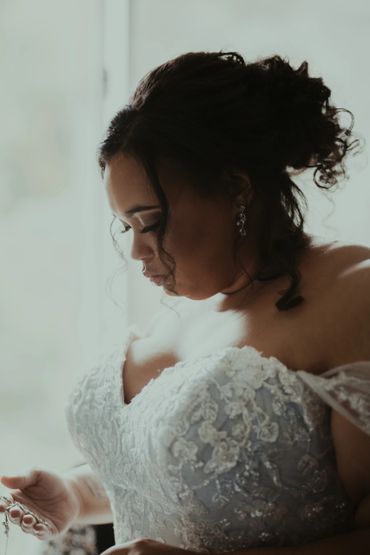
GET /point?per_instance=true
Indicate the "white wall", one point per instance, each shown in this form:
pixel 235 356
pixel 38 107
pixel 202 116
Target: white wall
pixel 51 225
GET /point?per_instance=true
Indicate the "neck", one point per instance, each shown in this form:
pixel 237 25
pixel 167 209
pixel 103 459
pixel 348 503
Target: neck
pixel 243 277
pixel 241 282
pixel 242 286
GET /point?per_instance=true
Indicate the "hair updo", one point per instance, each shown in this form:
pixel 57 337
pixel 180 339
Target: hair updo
pixel 215 115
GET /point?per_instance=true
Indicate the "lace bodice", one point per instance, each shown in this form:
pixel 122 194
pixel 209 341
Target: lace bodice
pixel 221 452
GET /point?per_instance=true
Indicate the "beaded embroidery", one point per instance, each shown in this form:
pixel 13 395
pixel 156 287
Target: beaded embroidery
pixel 220 452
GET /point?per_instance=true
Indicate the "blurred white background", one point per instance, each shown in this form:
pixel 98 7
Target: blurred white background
pixel 66 68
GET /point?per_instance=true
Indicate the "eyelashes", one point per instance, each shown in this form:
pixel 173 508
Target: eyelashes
pixel 144 230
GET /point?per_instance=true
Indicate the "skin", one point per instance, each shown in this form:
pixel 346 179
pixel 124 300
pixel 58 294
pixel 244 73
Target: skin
pixel 201 272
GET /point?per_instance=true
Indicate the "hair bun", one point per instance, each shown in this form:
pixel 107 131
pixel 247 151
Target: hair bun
pixel 306 128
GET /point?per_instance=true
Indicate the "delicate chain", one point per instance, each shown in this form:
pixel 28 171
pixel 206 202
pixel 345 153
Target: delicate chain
pixel 6 531
pixel 11 505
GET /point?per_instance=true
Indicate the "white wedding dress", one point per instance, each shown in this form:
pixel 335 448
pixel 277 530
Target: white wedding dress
pixel 220 452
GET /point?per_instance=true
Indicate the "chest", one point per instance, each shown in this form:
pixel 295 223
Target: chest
pixel 194 332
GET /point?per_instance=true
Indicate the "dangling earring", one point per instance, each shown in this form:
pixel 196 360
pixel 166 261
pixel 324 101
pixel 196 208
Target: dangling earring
pixel 242 219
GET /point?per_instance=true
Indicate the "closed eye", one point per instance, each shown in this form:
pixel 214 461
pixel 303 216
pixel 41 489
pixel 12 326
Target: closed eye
pixel 144 230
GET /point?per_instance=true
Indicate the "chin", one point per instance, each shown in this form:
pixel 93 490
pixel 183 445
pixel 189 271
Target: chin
pixel 188 292
pixel 171 293
pixel 197 295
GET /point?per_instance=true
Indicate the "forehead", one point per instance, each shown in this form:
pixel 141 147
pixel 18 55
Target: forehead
pixel 127 184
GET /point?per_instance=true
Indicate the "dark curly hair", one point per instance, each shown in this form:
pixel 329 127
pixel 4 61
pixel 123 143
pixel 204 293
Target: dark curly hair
pixel 215 115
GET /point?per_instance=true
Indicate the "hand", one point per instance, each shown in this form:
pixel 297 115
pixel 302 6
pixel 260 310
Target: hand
pixel 146 546
pixel 48 495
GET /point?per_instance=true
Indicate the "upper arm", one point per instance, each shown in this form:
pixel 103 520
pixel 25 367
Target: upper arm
pixel 359 278
pixel 352 445
pixel 352 448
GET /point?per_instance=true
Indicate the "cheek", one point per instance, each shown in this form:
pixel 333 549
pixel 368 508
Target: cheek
pixel 198 242
pixel 180 244
pixel 186 234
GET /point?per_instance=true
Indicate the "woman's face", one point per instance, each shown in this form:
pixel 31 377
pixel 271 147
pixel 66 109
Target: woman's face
pixel 200 232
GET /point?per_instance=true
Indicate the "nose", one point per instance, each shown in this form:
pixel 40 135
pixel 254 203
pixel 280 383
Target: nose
pixel 141 248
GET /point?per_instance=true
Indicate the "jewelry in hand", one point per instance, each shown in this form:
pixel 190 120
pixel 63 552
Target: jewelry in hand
pixel 11 504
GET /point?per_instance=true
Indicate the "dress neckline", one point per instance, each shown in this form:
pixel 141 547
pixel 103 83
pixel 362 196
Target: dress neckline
pixel 218 353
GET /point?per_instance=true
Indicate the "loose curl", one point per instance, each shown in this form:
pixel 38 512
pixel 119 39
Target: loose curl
pixel 217 116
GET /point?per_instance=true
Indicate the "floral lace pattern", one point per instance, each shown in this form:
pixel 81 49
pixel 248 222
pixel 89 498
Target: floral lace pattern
pixel 347 390
pixel 221 452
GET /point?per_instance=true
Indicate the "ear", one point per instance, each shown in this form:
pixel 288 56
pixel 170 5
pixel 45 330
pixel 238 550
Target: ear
pixel 241 188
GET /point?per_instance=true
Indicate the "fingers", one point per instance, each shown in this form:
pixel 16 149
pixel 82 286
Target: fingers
pixel 41 531
pixel 28 523
pixel 15 515
pixel 20 482
pixel 25 519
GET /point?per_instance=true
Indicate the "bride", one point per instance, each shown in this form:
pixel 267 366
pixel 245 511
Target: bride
pixel 239 419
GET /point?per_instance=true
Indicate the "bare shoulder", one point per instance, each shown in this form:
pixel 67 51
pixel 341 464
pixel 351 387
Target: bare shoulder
pixel 345 303
pixel 353 283
pixel 347 248
pixel 342 258
pixel 350 254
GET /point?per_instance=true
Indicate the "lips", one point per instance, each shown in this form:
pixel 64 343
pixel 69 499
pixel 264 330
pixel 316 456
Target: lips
pixel 151 275
pixel 157 279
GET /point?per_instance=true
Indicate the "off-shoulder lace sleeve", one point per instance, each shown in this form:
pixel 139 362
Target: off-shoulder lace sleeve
pixel 346 389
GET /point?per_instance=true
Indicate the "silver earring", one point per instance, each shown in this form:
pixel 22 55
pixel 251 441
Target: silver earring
pixel 242 219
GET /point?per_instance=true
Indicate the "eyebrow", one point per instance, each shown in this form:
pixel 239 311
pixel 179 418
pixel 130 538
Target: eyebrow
pixel 140 208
